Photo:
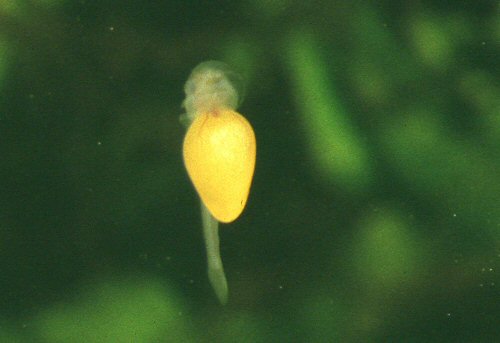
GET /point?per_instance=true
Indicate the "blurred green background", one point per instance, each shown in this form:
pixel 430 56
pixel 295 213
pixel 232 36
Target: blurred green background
pixel 375 209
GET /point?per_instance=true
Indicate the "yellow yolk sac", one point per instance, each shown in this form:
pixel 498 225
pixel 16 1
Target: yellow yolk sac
pixel 219 155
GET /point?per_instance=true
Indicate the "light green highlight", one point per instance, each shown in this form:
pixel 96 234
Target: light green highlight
pixel 10 7
pixel 123 311
pixel 386 252
pixel 339 154
pixel 454 174
pixel 433 43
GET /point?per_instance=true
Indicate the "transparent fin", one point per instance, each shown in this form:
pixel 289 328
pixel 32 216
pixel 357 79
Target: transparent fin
pixel 185 120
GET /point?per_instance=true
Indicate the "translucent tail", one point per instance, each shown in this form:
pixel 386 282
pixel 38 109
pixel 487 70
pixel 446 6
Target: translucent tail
pixel 215 268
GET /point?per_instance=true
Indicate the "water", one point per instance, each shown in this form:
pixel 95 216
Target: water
pixel 373 214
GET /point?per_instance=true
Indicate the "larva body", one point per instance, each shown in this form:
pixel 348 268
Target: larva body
pixel 219 147
pixel 219 153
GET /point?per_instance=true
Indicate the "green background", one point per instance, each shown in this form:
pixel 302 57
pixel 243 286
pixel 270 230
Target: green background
pixel 374 214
